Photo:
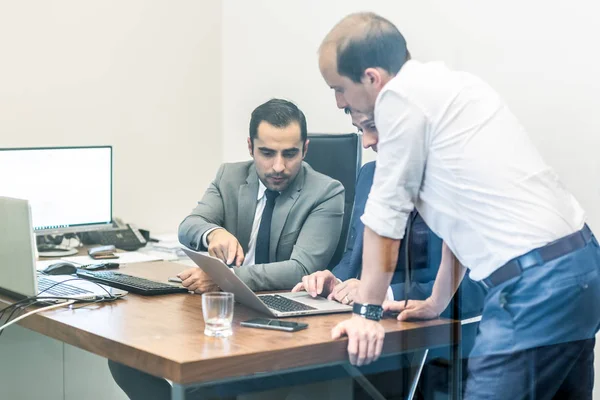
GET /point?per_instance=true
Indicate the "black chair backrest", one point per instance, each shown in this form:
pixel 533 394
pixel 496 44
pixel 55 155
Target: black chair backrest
pixel 338 156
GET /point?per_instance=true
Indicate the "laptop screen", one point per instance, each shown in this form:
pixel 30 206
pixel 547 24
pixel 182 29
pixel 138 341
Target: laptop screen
pixel 17 257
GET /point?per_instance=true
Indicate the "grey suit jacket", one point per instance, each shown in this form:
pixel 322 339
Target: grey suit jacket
pixel 305 230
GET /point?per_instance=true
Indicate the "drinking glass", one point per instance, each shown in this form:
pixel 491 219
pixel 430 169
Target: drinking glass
pixel 217 308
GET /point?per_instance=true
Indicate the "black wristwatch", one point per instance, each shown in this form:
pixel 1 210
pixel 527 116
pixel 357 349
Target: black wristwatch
pixel 368 311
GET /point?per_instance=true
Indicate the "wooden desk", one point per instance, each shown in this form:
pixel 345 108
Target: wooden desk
pixel 163 335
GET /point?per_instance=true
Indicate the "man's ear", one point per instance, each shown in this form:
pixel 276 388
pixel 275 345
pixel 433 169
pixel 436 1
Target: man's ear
pixel 375 77
pixel 250 147
pixel 372 77
pixel 305 149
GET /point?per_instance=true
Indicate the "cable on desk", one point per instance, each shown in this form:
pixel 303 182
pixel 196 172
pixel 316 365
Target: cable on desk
pixel 42 298
pixel 21 305
pixel 110 295
pixel 18 310
pixel 6 325
pixel 36 299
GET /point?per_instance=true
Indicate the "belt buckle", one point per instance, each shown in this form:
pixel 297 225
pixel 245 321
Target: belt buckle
pixel 529 260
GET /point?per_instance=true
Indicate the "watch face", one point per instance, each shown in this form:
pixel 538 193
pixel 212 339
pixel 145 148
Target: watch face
pixel 369 311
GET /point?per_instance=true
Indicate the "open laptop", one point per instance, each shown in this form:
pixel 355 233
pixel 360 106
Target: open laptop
pixel 18 275
pixel 276 305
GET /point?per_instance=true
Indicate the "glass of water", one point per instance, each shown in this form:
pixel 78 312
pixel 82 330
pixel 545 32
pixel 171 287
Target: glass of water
pixel 217 308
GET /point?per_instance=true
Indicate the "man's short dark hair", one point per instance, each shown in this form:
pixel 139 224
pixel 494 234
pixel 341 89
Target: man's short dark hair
pixel 378 44
pixel 279 113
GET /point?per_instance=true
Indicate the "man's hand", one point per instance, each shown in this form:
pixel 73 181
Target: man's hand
pixel 365 339
pixel 415 309
pixel 196 280
pixel 320 283
pixel 345 292
pixel 224 245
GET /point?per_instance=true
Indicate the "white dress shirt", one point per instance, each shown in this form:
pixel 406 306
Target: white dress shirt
pixel 449 146
pixel 260 207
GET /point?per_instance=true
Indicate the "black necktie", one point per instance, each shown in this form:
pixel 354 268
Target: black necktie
pixel 264 230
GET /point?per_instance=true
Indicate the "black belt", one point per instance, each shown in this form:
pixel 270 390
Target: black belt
pixel 551 251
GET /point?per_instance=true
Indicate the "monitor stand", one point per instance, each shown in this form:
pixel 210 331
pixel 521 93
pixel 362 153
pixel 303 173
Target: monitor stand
pixel 54 250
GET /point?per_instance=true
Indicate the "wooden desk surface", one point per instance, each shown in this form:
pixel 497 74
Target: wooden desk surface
pixel 163 335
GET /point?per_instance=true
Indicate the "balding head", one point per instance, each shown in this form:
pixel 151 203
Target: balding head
pixel 364 40
pixel 358 57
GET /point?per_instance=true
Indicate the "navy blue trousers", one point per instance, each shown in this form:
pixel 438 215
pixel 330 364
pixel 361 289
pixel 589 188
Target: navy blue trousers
pixel 536 335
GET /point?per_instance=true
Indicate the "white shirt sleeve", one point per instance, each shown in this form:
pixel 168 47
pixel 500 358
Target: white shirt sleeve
pixel 390 294
pixel 403 148
pixel 205 237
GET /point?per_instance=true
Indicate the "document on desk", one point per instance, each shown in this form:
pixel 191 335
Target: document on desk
pixel 167 247
pixel 124 258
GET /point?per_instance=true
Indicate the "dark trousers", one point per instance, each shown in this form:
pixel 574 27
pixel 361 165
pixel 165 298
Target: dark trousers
pixel 139 385
pixel 560 371
pixel 537 332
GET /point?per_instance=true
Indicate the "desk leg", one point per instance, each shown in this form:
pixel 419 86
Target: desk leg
pixel 415 381
pixel 177 392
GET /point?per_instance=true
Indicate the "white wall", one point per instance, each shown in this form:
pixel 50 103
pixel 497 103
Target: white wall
pixel 143 76
pixel 540 55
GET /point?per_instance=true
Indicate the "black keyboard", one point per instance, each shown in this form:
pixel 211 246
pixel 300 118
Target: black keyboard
pixel 59 289
pixel 283 304
pixel 130 283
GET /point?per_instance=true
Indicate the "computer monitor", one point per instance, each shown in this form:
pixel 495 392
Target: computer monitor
pixel 69 188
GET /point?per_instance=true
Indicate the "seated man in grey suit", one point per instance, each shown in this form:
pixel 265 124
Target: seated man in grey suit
pixel 274 218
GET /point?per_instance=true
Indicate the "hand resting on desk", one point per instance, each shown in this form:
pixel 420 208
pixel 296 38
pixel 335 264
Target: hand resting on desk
pixel 196 280
pixel 414 310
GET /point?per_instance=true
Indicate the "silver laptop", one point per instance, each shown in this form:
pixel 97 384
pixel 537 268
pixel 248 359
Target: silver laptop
pixel 18 275
pixel 276 305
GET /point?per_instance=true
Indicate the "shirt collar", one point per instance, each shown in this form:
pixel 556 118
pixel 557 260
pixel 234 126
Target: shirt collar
pixel 261 190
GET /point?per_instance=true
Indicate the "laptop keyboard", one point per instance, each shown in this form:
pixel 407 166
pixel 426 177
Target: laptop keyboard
pixel 59 289
pixel 283 304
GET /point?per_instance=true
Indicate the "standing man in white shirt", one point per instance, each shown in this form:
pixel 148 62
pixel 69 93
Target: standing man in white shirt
pixel 450 147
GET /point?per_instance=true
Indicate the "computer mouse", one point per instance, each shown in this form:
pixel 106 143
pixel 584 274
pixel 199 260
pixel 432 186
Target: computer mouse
pixel 60 268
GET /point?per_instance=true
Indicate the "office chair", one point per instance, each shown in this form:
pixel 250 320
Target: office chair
pixel 338 156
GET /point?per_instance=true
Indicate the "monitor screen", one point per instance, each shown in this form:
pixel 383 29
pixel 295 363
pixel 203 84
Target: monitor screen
pixel 69 189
